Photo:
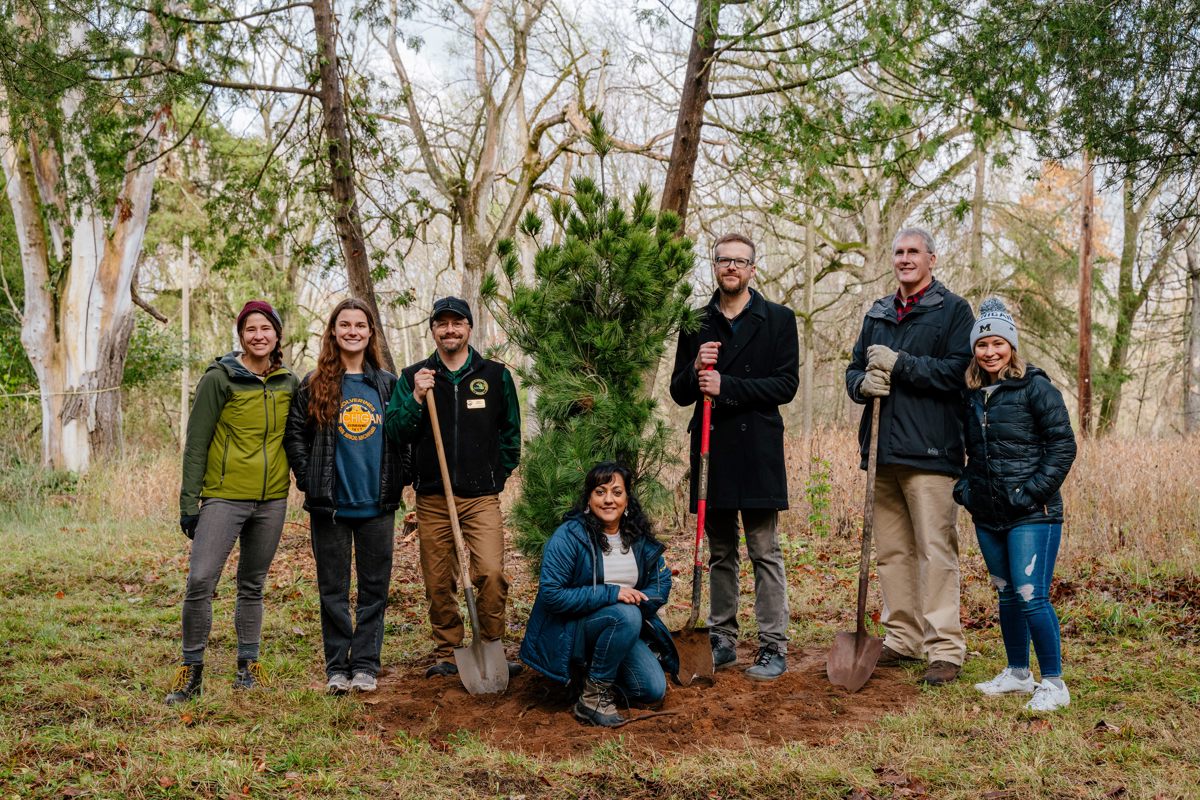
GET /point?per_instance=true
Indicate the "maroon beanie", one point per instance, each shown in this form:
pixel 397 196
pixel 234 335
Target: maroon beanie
pixel 260 307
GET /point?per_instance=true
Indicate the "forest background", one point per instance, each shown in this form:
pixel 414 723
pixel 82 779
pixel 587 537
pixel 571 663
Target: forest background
pixel 163 162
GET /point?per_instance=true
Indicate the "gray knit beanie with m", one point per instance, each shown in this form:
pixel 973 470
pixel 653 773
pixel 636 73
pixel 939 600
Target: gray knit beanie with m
pixel 994 320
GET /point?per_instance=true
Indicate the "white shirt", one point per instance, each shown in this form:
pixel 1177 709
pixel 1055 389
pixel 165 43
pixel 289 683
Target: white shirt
pixel 620 568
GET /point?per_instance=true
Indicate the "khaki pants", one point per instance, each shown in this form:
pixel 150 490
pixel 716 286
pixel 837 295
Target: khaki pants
pixel 916 545
pixel 483 532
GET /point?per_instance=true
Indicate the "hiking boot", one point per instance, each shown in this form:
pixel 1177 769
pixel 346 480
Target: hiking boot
pixel 940 672
pixel 1007 683
pixel 596 706
pixel 186 684
pixel 338 684
pixel 769 664
pixel 363 682
pixel 724 652
pixel 1048 697
pixel 441 669
pixel 893 658
pixel 250 674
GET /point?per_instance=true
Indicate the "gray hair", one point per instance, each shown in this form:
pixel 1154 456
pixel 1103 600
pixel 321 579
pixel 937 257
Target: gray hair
pixel 926 237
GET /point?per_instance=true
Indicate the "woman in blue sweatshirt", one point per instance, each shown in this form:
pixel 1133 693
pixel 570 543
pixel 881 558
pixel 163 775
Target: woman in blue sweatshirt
pixel 351 476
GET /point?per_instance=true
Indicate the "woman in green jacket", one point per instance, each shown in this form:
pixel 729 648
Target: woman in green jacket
pixel 235 488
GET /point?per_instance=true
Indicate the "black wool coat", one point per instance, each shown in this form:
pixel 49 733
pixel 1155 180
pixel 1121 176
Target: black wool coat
pixel 1020 447
pixel 920 422
pixel 760 371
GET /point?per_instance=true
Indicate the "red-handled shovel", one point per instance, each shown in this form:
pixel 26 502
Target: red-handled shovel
pixel 692 643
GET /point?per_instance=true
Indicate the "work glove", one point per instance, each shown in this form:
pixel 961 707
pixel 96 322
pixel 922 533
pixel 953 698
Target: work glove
pixel 876 384
pixel 880 356
pixel 188 523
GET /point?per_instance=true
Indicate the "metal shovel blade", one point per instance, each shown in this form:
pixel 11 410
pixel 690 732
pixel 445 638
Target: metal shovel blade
pixel 853 659
pixel 482 666
pixel 695 655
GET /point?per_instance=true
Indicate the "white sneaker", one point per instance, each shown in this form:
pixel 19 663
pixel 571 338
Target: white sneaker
pixel 1048 697
pixel 338 683
pixel 363 682
pixel 1007 683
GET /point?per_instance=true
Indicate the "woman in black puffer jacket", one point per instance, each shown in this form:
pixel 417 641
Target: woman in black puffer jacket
pixel 1020 447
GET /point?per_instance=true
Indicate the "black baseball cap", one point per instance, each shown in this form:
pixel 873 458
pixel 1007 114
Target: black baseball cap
pixel 455 305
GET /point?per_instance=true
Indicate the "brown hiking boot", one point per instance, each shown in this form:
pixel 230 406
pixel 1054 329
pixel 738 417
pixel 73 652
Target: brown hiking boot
pixel 890 658
pixel 940 672
pixel 596 706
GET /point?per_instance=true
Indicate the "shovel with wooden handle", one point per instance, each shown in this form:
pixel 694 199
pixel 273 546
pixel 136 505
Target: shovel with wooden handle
pixel 854 655
pixel 482 666
pixel 692 643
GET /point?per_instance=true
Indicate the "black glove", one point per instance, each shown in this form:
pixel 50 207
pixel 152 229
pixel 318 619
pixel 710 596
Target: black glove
pixel 188 523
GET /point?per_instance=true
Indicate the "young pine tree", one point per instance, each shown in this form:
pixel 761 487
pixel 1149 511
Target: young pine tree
pixel 603 302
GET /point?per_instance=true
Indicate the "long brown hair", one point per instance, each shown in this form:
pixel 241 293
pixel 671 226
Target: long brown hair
pixel 325 385
pixel 977 378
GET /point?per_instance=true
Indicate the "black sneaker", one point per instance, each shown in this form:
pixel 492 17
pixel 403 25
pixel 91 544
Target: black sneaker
pixel 724 652
pixel 441 669
pixel 186 684
pixel 249 675
pixel 515 668
pixel 769 664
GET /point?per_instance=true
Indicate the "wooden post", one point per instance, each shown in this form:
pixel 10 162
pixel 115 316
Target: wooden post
pixel 185 380
pixel 1085 298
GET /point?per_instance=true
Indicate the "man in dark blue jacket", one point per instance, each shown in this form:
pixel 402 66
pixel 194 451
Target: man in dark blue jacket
pixel 912 355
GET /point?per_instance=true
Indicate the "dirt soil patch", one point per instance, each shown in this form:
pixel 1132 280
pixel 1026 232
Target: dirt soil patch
pixel 534 716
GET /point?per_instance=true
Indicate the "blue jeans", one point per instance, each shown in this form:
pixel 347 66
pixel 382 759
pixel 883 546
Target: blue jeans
pixel 609 642
pixel 1021 563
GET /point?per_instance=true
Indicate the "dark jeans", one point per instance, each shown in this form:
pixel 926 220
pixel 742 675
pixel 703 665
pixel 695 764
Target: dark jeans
pixel 609 642
pixel 257 525
pixel 1021 562
pixel 353 647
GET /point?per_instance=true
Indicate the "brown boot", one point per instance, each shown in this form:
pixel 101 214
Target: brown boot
pixel 940 672
pixel 891 658
pixel 596 706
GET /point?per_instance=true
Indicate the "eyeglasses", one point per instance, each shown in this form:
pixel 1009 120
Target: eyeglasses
pixel 726 261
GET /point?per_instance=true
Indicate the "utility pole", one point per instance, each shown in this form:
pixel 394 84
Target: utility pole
pixel 1085 298
pixel 185 380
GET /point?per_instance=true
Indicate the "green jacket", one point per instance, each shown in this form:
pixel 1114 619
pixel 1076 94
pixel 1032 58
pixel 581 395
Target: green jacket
pixel 234 447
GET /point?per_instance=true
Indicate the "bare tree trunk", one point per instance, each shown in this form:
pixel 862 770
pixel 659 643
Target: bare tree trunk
pixel 1191 407
pixel 347 220
pixel 1084 381
pixel 977 207
pixel 686 145
pixel 809 349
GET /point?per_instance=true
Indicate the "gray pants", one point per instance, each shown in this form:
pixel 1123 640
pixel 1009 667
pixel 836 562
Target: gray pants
pixel 770 586
pixel 258 525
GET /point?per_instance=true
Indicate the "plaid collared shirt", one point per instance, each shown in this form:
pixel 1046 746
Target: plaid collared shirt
pixel 905 305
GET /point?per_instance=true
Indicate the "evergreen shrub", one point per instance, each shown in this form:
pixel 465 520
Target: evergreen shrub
pixel 608 290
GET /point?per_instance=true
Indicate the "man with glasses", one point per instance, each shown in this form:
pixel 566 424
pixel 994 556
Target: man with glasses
pixel 912 355
pixel 745 356
pixel 480 420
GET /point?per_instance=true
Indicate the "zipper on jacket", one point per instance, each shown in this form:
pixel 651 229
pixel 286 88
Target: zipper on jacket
pixel 266 431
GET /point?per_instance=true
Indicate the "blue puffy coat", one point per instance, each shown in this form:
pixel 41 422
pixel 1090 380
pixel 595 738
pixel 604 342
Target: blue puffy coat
pixel 571 586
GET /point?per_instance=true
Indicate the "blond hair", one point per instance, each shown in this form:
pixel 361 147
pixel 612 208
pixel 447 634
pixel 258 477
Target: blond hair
pixel 977 378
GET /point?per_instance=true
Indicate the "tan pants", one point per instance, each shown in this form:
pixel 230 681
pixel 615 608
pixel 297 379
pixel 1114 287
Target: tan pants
pixel 916 545
pixel 482 528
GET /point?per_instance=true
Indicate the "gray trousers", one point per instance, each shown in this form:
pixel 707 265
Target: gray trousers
pixel 770 586
pixel 258 525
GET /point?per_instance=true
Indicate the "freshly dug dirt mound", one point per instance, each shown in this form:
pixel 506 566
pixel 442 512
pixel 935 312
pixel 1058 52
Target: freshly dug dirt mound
pixel 534 716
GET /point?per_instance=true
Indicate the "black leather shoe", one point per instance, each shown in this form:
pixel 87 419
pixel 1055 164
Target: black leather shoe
pixel 187 684
pixel 724 652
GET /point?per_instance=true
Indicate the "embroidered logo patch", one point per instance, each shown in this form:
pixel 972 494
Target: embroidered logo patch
pixel 479 386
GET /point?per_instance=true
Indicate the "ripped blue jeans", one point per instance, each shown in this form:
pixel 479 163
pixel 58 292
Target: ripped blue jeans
pixel 1021 563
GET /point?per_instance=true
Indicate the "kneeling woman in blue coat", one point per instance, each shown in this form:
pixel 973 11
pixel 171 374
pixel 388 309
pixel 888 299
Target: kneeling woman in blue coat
pixel 603 579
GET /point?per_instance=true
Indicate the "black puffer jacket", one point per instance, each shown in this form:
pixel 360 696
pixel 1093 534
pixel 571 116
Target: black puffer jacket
pixel 1020 447
pixel 312 451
